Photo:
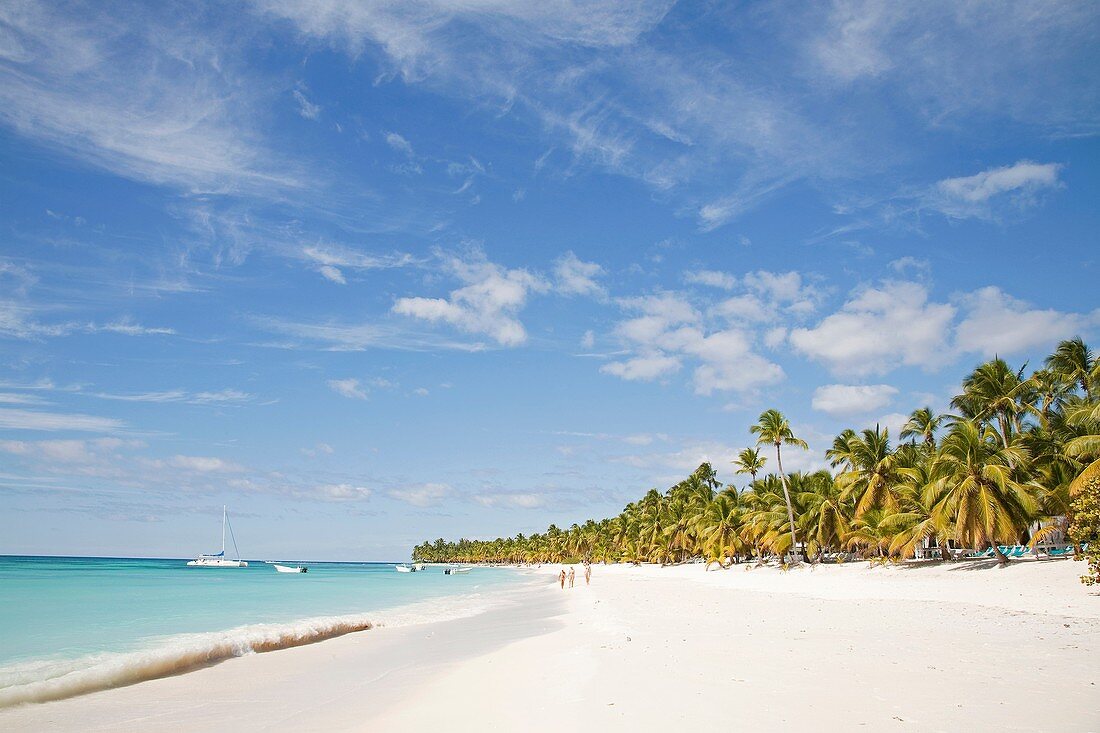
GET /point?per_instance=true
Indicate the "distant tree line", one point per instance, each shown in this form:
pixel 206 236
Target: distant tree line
pixel 1016 461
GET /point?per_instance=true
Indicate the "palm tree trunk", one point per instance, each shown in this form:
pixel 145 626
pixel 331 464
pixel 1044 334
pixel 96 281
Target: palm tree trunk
pixel 787 497
pixel 1001 557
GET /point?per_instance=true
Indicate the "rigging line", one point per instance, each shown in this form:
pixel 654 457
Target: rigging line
pixel 232 537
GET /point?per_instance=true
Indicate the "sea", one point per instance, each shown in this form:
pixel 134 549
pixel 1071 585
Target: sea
pixel 71 625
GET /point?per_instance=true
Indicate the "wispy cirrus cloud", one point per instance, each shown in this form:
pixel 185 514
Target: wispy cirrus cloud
pixel 17 419
pixel 149 96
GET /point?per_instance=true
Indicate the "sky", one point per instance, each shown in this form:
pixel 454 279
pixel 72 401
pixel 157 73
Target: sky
pixel 373 273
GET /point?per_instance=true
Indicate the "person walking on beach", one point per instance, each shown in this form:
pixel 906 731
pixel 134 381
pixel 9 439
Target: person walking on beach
pixel 587 573
pixel 561 578
pixel 572 576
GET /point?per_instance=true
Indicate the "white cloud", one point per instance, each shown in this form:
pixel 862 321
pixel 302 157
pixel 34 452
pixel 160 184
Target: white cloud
pixel 146 95
pixel 421 495
pixel 851 399
pixel 893 422
pixel 204 464
pixel 20 320
pixel 398 143
pixel 711 278
pixel 588 340
pixel 10 398
pixel 333 274
pixel 306 108
pixel 919 267
pixel 225 396
pixel 14 419
pixel 319 449
pixel 746 308
pixel 880 328
pixel 976 195
pixel 996 323
pixel 341 492
pixel 849 47
pixel 576 277
pixel 420 392
pixel 642 368
pixel 670 330
pixel 488 303
pixel 336 256
pixel 516 500
pixel 950 62
pixel 129 328
pixel 349 388
pixel 82 452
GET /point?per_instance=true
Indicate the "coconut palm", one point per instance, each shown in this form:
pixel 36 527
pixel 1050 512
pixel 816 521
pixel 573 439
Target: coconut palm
pixel 718 526
pixel 749 461
pixel 923 424
pixel 825 512
pixel 870 533
pixel 872 475
pixel 774 429
pixel 993 391
pixel 980 494
pixel 1074 362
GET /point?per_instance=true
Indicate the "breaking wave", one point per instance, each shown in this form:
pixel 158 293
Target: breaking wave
pixel 40 681
pixel 43 681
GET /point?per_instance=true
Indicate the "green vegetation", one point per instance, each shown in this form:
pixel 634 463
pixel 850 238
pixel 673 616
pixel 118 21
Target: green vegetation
pixel 1018 461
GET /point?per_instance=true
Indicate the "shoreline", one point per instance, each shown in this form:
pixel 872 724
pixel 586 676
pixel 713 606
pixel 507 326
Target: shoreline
pixel 835 647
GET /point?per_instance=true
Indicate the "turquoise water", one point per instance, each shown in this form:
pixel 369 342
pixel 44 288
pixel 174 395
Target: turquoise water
pixel 58 615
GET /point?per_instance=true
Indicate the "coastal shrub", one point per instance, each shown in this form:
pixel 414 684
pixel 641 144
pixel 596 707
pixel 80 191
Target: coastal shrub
pixel 1085 529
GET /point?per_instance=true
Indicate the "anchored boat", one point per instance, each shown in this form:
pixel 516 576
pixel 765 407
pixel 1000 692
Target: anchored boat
pixel 219 560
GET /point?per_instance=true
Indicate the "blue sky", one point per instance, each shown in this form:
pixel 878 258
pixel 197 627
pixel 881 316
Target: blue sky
pixel 375 273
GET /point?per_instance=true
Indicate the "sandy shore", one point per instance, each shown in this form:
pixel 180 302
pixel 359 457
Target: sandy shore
pixel 957 647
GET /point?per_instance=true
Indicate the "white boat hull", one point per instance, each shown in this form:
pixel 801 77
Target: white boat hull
pixel 456 571
pixel 405 569
pixel 286 569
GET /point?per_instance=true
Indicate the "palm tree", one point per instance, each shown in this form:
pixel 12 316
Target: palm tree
pixel 750 461
pixel 916 519
pixel 994 391
pixel 718 526
pixel 871 477
pixel 987 504
pixel 870 532
pixel 923 424
pixel 774 429
pixel 1075 363
pixel 825 512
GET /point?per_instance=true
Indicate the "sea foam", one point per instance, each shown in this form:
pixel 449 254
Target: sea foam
pixel 43 681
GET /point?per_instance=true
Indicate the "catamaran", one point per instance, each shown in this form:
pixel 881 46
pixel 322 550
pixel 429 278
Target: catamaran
pixel 219 560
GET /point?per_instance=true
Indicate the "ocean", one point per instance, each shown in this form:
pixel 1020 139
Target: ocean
pixel 70 625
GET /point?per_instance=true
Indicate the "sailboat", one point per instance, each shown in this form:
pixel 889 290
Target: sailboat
pixel 219 560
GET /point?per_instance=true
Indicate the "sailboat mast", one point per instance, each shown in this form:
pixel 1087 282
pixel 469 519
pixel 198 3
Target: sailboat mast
pixel 223 530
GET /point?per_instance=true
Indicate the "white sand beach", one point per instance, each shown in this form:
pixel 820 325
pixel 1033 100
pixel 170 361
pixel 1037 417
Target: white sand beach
pixel 964 646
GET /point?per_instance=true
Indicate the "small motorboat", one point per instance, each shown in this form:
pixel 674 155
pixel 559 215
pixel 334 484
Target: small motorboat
pixel 418 566
pixel 406 568
pixel 289 569
pixel 456 571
